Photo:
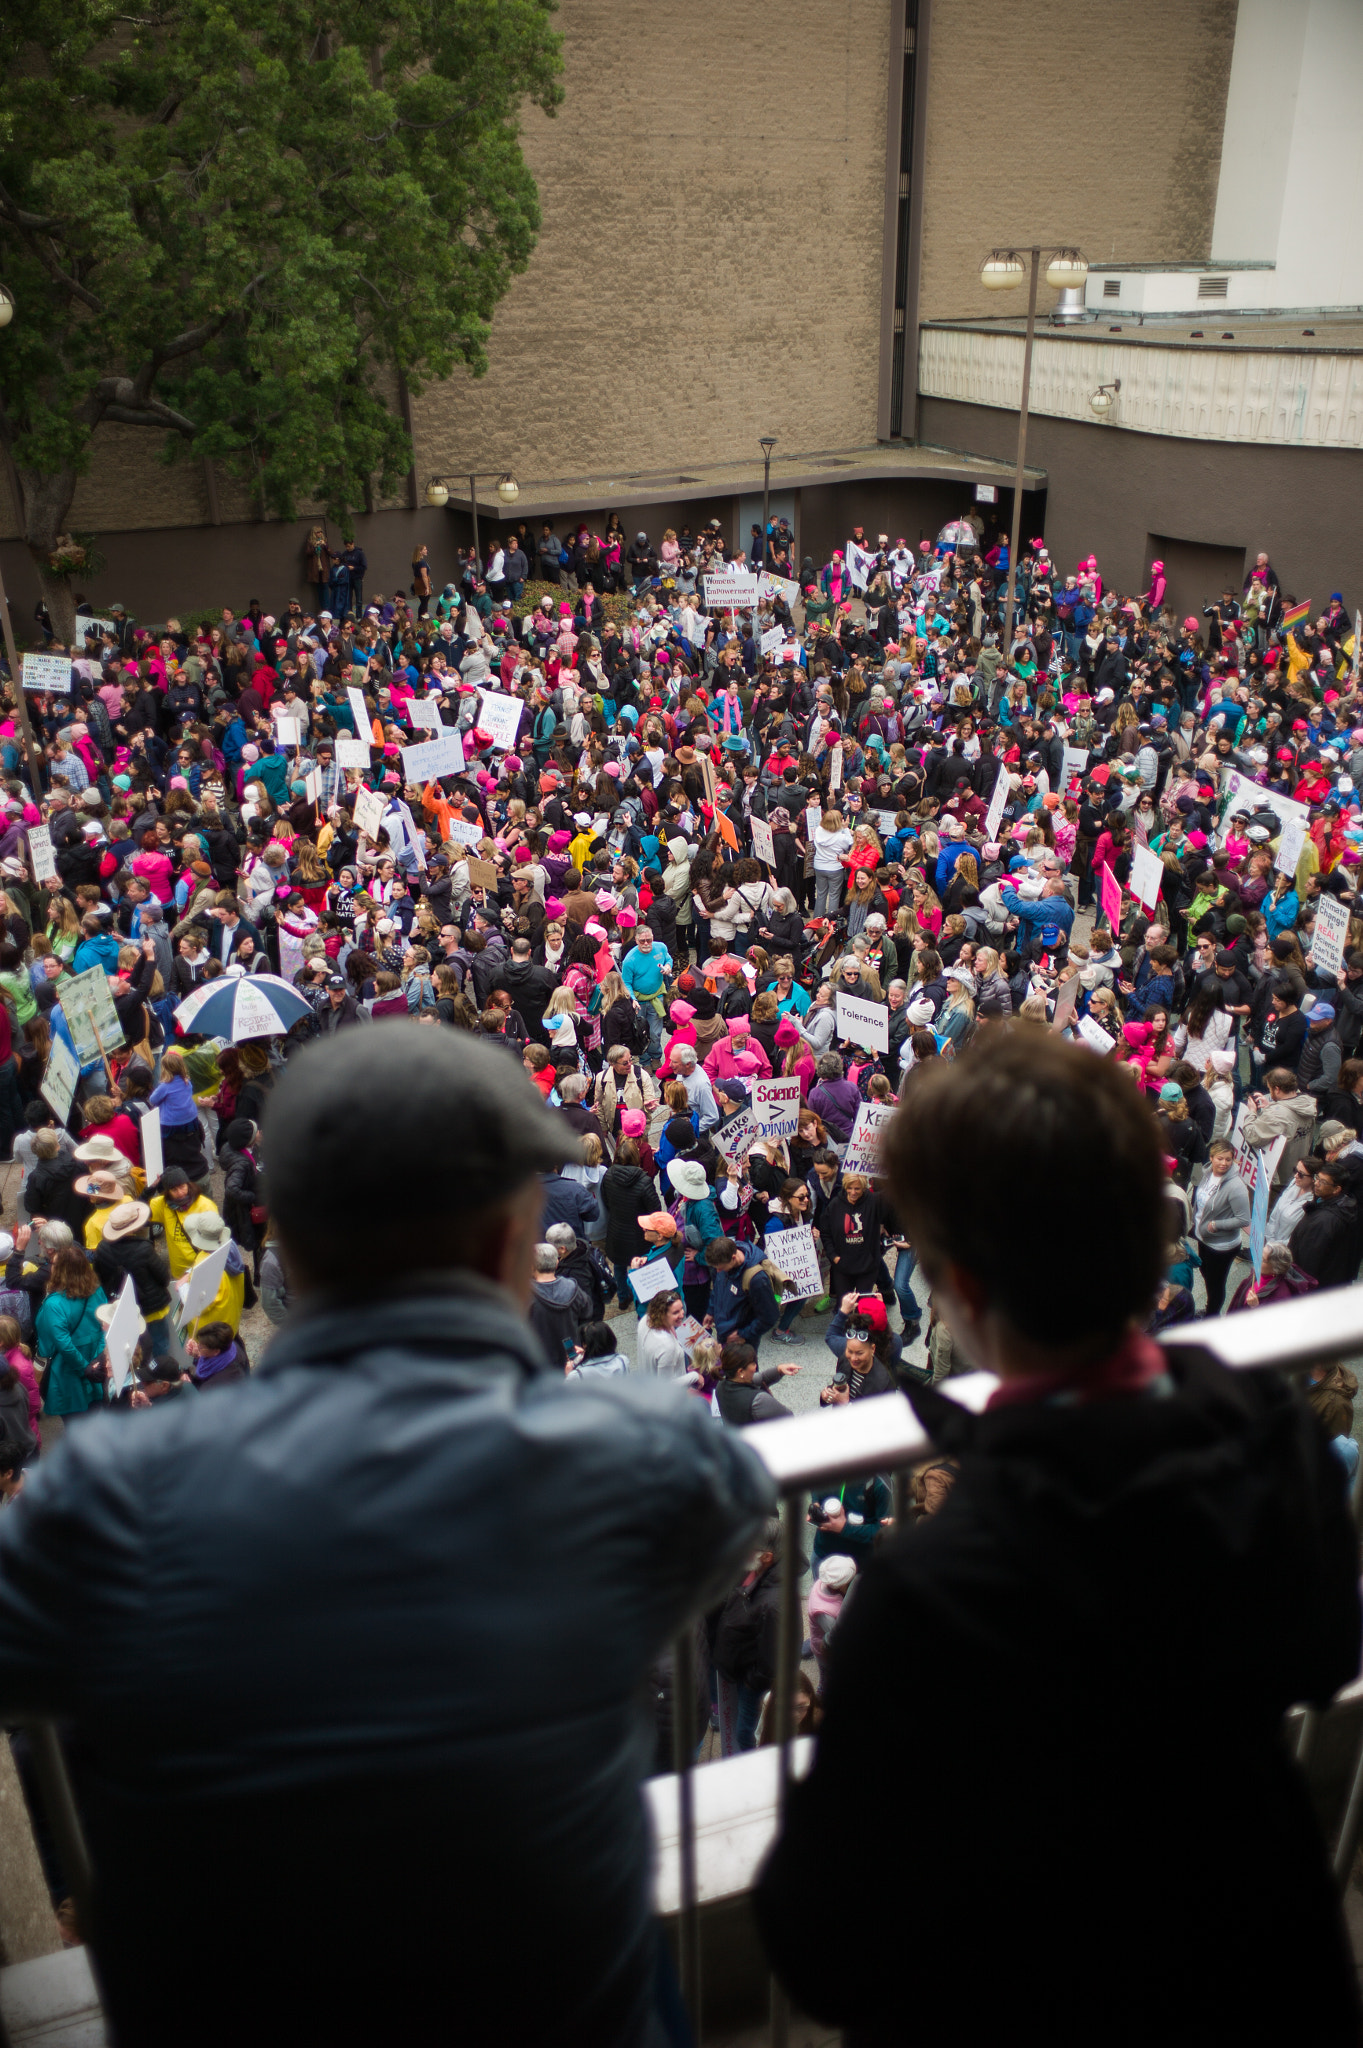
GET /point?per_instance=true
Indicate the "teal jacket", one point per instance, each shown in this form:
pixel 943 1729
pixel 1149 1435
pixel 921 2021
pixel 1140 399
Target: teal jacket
pixel 70 1336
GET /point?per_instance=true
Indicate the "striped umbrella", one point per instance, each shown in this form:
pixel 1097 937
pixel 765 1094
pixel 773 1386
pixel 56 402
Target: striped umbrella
pixel 238 1006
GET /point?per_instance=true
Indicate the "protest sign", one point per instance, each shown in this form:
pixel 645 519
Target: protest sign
pixel 1332 929
pixel 290 954
pixel 364 724
pixel 467 835
pixel 776 1106
pixel 736 1138
pixel 1075 762
pixel 433 758
pixel 153 1157
pixel 887 823
pixel 289 732
pixel 353 753
pixel 725 827
pixel 59 1080
pixel 1066 997
pixel 312 785
pixel 732 589
pixel 1251 1164
pixel 120 1339
pixel 48 672
pixel 778 586
pixel 835 768
pixel 424 711
pixel 796 1254
pixel 1240 795
pixel 500 715
pixel 482 874
pixel 994 816
pixel 813 820
pixel 1093 1034
pixel 1110 896
pixel 202 1283
pixel 655 1277
pixel 40 852
pixel 87 623
pixel 1291 840
pixel 1258 1224
pixel 369 812
pixel 763 844
pixel 863 1147
pixel 1147 873
pixel 772 639
pixel 90 1015
pixel 866 1024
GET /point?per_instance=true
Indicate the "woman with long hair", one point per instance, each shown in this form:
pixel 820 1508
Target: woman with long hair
pixel 70 1336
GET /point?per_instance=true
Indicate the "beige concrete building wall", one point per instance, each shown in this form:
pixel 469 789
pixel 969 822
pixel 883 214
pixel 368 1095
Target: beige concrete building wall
pixel 1092 122
pixel 709 268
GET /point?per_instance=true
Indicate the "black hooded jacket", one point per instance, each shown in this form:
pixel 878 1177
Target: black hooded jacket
pixel 1074 1675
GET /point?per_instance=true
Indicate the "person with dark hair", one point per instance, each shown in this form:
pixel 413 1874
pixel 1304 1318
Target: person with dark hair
pixel 369 1568
pixel 1324 1240
pixel 69 1335
pixel 1144 1560
pixel 741 1396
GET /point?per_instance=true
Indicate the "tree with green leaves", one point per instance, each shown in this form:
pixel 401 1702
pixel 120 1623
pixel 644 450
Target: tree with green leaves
pixel 239 225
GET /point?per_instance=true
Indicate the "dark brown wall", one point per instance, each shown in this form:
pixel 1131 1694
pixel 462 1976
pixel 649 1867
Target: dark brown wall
pixel 1111 490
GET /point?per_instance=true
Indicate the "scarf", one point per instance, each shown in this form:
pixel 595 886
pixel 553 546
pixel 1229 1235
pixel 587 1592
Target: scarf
pixel 1133 1368
pixel 207 1368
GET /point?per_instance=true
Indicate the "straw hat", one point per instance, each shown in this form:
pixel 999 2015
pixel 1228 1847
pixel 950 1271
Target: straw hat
pixel 123 1221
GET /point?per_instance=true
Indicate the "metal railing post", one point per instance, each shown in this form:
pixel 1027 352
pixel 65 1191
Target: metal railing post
pixel 684 1740
pixel 789 1638
pixel 54 1782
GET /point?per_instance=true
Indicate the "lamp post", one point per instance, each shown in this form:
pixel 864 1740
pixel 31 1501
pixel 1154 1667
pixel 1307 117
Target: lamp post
pixel 766 444
pixel 1000 271
pixel 508 490
pixel 11 652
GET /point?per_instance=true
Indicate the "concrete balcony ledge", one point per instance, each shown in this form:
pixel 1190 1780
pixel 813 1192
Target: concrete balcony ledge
pixel 52 2002
pixel 735 1805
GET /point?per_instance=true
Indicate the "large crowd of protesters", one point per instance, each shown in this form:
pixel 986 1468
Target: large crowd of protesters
pixel 669 839
pixel 954 827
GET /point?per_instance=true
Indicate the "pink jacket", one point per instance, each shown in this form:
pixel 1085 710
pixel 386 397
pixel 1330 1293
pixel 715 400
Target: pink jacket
pixel 24 1368
pixel 725 1063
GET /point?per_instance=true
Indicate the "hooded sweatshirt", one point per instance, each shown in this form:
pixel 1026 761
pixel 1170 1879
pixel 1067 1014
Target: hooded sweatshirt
pixel 1294 1119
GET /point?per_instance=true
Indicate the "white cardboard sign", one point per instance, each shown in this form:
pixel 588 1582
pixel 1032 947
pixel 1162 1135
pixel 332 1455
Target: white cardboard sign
pixel 433 758
pixel 120 1339
pixel 795 1252
pixel 776 1106
pixel 863 1147
pixel 153 1158
pixel 202 1284
pixel 48 672
pixel 364 724
pixel 734 589
pixel 1332 930
pixel 1147 872
pixel 58 1086
pixel 736 1138
pixel 763 842
pixel 40 852
pixel 866 1024
pixel 424 711
pixel 773 639
pixel 657 1277
pixel 1291 840
pixel 353 754
pixel 1094 1035
pixel 501 716
pixel 369 812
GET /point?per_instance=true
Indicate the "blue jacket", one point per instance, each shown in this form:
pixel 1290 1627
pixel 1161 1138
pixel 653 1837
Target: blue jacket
pixel 317 1626
pixel 101 951
pixel 1045 919
pixel 741 1311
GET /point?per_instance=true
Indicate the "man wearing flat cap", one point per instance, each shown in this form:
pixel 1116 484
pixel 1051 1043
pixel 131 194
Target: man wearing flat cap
pixel 354 1652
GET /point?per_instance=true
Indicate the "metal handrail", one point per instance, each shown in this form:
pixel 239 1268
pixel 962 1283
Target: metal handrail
pixel 882 1435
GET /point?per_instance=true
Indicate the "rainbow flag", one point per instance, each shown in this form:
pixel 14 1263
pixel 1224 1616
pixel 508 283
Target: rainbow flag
pixel 1294 615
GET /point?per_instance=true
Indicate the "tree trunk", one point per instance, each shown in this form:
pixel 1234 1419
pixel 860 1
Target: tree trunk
pixel 46 509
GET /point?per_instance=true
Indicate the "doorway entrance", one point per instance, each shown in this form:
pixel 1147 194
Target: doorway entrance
pixel 1196 573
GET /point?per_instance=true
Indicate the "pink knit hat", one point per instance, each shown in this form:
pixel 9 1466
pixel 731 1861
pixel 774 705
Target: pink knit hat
pixel 633 1123
pixel 787 1033
pixel 740 1026
pixel 680 1012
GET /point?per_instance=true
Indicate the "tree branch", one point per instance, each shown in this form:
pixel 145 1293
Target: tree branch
pixel 153 414
pixel 37 223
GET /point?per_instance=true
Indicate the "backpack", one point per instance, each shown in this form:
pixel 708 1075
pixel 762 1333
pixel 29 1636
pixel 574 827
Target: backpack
pixel 638 1030
pixel 778 1279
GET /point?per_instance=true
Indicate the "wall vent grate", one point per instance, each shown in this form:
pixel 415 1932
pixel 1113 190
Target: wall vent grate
pixel 1213 287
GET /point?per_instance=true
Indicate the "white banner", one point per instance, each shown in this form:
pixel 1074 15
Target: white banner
pixel 866 1024
pixel 501 716
pixel 763 843
pixel 1328 940
pixel 1147 872
pixel 1243 795
pixel 863 1147
pixel 369 812
pixel 732 590
pixel 796 1254
pixel 433 758
pixel 40 852
pixel 353 754
pixel 48 672
pixel 776 1106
